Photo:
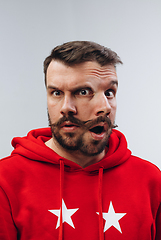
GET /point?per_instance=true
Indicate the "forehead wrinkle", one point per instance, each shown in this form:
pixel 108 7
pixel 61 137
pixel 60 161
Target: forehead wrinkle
pixel 95 68
pixel 102 73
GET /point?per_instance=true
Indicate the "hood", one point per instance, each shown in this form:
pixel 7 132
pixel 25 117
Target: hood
pixel 32 147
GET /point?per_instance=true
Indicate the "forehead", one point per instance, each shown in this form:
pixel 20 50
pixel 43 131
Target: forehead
pixel 58 72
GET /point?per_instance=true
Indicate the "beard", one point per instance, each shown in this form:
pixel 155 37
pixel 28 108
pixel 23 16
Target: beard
pixel 78 141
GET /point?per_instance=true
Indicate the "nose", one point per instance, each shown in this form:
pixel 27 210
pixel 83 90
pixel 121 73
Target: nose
pixel 68 106
pixel 103 106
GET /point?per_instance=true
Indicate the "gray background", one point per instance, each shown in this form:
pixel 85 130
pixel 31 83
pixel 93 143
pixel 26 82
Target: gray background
pixel 30 29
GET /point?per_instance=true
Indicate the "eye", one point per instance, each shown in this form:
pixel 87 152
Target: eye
pixel 56 93
pixel 84 92
pixel 110 93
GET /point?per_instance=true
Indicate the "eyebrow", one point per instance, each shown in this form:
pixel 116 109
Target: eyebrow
pixel 81 87
pixel 114 82
pixel 52 87
pixel 73 89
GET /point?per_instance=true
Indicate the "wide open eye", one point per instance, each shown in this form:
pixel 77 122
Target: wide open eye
pixel 56 93
pixel 85 92
pixel 110 93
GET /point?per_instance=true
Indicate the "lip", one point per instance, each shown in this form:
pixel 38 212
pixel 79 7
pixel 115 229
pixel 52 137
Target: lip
pixel 100 136
pixel 101 124
pixel 69 126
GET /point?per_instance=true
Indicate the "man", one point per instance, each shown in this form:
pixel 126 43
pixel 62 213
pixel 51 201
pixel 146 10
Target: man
pixel 77 179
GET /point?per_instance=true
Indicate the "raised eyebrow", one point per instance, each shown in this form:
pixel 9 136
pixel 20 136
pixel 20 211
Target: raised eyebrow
pixel 114 82
pixel 81 87
pixel 52 87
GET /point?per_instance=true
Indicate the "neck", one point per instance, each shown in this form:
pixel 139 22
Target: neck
pixel 74 156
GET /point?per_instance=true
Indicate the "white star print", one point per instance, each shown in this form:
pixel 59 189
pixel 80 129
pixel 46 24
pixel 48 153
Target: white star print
pixel 112 218
pixel 66 215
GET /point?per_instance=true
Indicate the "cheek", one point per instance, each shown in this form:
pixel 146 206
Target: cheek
pixel 114 105
pixel 85 111
pixel 113 111
pixel 53 110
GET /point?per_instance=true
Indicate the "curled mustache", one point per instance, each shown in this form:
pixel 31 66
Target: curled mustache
pixel 85 124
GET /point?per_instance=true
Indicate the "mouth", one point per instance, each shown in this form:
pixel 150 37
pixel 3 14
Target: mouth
pixel 69 126
pixel 97 129
pixel 99 132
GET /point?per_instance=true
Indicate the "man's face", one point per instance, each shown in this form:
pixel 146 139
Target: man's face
pixel 81 105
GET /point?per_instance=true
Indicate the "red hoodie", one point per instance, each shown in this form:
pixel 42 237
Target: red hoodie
pixel 46 197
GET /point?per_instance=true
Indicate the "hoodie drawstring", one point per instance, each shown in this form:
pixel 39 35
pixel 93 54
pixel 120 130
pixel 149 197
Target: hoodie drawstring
pixel 101 232
pixel 61 198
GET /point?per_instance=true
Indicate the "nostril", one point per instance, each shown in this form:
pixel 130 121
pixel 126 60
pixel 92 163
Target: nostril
pixel 103 113
pixel 68 108
pixel 100 112
pixel 71 113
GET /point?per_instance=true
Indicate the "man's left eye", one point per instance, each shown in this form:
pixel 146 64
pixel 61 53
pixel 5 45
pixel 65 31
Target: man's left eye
pixel 109 93
pixel 84 92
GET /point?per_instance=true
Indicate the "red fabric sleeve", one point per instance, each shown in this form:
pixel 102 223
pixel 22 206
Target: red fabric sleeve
pixel 158 224
pixel 8 230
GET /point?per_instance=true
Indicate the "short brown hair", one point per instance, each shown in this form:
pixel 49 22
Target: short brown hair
pixel 76 52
